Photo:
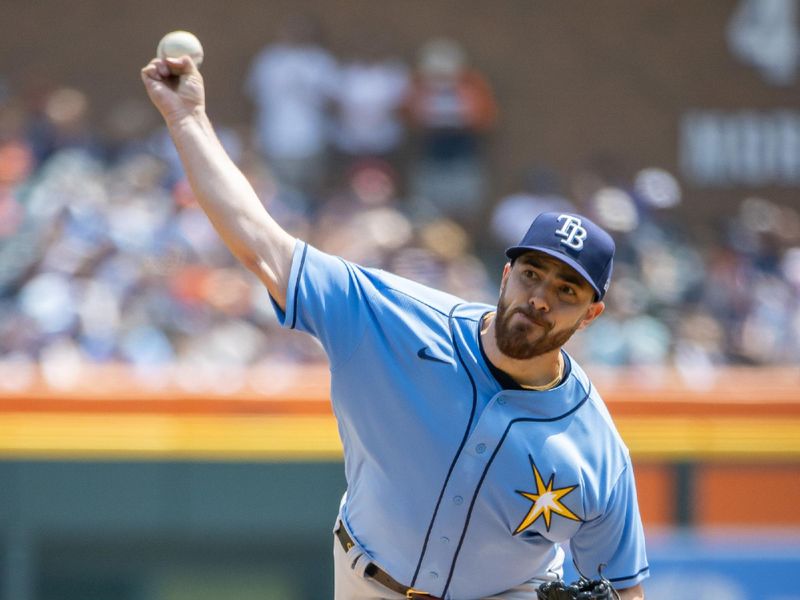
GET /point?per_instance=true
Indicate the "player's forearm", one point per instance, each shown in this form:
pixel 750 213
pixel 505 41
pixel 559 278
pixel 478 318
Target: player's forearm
pixel 634 593
pixel 232 205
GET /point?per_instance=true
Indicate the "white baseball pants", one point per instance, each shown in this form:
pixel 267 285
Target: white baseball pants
pixel 350 585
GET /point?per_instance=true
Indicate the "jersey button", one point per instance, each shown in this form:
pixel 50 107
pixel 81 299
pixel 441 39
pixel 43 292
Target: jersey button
pixel 444 539
pixel 480 448
pixel 458 500
pixel 434 575
pixel 501 400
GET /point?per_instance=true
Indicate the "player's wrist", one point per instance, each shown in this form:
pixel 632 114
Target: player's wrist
pixel 182 119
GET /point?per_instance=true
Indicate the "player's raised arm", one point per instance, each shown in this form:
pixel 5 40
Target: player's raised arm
pixel 176 88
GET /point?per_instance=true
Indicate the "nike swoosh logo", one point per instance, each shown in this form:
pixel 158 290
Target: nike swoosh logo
pixel 424 354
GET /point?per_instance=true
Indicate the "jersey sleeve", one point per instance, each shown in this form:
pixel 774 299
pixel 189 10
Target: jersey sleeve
pixel 613 543
pixel 325 298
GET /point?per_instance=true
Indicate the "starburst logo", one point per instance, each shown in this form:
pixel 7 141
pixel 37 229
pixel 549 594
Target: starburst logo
pixel 546 501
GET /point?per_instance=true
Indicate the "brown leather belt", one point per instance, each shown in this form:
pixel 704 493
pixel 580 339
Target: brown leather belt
pixel 378 574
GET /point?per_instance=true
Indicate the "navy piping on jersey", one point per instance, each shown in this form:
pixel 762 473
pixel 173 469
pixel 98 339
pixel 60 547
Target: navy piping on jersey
pixel 486 470
pixel 614 579
pixel 418 301
pixel 460 447
pixel 297 285
pixel 639 572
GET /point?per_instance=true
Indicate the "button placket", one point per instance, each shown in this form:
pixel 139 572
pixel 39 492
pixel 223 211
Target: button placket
pixel 467 472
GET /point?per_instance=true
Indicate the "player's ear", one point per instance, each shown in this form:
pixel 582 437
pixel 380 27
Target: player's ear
pixel 595 310
pixel 506 270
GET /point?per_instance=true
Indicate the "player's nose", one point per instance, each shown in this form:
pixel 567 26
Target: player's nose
pixel 538 300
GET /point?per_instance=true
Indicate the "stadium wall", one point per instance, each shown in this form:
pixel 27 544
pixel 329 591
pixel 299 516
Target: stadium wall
pixel 131 487
pixel 615 89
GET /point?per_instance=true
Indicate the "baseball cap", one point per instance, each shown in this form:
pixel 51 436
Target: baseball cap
pixel 574 240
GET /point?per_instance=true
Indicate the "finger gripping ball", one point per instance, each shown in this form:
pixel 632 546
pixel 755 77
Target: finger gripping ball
pixel 178 43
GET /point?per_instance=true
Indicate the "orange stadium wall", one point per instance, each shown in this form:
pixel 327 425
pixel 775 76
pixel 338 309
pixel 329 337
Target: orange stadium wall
pixel 722 495
pixel 114 484
pixel 702 456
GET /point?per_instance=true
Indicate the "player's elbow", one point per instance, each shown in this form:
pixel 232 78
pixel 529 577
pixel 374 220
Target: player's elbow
pixel 274 280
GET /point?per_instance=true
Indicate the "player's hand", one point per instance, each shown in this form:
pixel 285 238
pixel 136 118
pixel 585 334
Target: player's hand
pixel 175 86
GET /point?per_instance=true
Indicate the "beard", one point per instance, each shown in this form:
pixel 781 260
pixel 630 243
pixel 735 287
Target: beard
pixel 514 340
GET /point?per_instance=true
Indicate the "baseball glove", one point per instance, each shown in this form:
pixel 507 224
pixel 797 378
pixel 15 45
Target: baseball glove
pixel 583 589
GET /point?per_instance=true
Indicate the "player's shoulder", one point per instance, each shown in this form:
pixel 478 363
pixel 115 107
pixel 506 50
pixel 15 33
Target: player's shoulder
pixel 411 293
pixel 595 406
pixel 386 292
pixel 576 371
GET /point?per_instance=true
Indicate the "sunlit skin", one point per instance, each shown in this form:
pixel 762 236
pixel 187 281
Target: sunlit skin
pixel 543 301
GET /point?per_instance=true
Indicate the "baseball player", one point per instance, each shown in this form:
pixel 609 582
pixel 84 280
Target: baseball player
pixel 474 445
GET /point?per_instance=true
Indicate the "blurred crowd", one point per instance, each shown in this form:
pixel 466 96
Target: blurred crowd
pixel 105 256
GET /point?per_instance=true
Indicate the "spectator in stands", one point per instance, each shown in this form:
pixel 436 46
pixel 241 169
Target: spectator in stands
pixel 539 192
pixel 103 256
pixel 16 164
pixel 292 84
pixel 452 108
pixel 63 123
pixel 371 90
pixel 364 220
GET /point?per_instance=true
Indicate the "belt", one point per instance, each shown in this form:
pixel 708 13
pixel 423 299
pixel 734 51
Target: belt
pixel 374 572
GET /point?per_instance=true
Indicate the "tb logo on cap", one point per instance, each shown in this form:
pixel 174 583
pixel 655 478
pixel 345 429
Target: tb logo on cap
pixel 572 232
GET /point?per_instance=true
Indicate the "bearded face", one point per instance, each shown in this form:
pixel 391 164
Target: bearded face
pixel 523 332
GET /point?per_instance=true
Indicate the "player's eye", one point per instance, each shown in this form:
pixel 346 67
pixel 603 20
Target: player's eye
pixel 567 290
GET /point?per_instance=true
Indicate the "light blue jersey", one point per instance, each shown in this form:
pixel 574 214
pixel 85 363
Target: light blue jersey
pixel 457 485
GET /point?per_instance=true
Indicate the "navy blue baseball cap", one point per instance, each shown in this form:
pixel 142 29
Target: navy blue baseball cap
pixel 574 240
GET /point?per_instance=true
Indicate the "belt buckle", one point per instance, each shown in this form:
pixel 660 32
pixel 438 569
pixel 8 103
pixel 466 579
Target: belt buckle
pixel 411 593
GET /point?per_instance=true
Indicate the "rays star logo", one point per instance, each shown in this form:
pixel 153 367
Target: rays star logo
pixel 546 501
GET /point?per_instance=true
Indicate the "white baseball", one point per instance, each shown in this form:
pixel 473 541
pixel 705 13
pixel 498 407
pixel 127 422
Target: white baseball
pixel 177 43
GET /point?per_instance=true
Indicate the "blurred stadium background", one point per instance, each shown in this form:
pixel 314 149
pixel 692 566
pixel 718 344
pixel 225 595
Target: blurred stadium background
pixel 162 439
